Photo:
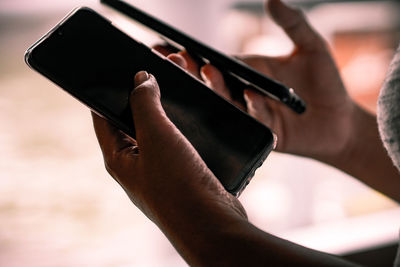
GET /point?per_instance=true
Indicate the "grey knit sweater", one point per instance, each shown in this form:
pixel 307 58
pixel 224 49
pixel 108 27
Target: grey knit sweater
pixel 388 114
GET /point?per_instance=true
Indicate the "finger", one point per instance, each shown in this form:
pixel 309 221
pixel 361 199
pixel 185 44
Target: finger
pixel 214 79
pixel 111 139
pixel 179 60
pixel 148 114
pixel 192 66
pixel 295 25
pixel 165 49
pixel 257 106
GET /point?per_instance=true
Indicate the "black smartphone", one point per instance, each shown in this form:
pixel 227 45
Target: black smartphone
pixel 236 74
pixel 95 62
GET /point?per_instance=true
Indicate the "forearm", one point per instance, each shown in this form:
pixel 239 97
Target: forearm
pixel 365 158
pixel 196 223
pixel 214 236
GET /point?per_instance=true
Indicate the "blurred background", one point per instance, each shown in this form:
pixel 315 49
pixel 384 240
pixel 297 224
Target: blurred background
pixel 59 207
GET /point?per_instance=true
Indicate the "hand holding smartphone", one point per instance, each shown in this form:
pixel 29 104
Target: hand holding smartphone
pixel 95 62
pixel 235 72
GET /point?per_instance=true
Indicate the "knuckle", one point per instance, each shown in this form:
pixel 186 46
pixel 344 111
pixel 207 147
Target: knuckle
pixel 109 167
pixel 145 89
pixel 111 163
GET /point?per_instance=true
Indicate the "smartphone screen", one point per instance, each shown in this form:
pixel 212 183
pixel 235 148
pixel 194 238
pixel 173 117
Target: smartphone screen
pixel 96 62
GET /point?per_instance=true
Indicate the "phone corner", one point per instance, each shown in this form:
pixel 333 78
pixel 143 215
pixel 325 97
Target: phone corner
pixel 28 56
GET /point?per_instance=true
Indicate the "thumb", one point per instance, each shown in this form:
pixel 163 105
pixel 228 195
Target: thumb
pixel 147 113
pixel 294 23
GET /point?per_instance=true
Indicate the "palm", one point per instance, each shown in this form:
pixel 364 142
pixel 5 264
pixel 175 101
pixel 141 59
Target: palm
pixel 324 129
pixel 314 77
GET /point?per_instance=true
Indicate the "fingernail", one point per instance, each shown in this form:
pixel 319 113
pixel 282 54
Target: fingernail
pixel 206 80
pixel 141 77
pixel 246 96
pixel 206 74
pixel 203 75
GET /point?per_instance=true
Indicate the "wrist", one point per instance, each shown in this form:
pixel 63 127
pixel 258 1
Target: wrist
pixel 362 144
pixel 364 156
pixel 189 202
pixel 363 128
pixel 199 232
pixel 195 220
pixel 337 127
pixel 358 123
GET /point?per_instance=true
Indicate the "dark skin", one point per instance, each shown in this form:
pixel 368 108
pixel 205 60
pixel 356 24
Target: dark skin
pixel 168 181
pixel 334 129
pixel 165 178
